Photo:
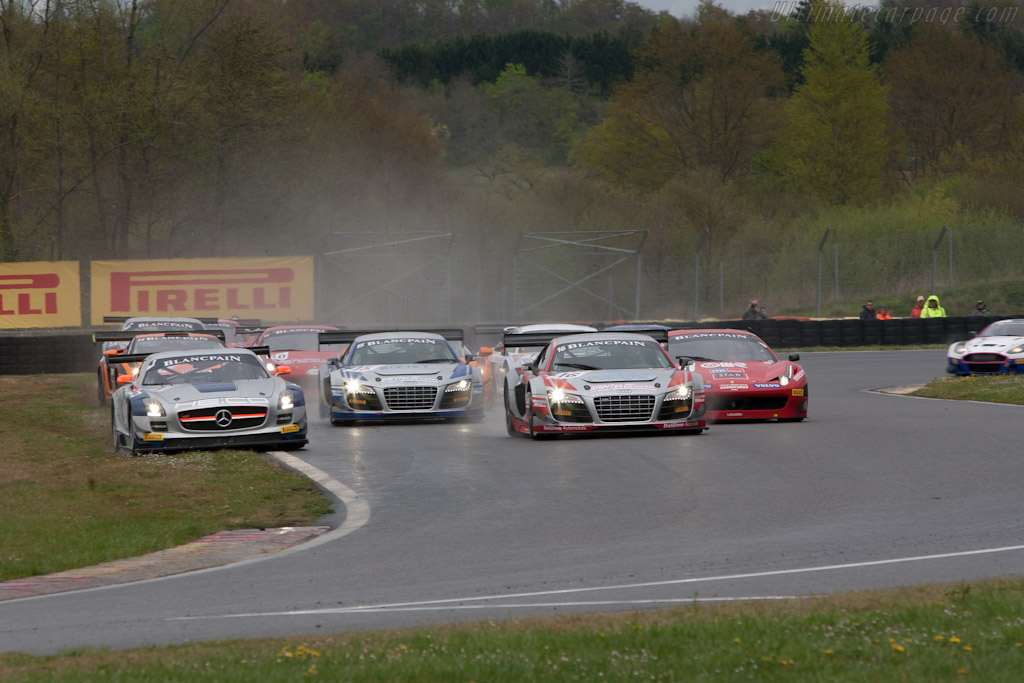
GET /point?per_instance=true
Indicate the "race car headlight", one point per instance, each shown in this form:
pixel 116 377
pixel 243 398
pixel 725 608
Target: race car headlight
pixel 784 380
pixel 960 348
pixel 155 409
pixel 681 393
pixel 287 400
pixel 354 387
pixel 1016 349
pixel 559 396
pixel 461 385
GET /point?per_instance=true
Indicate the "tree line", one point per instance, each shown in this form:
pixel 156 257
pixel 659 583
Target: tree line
pixel 144 128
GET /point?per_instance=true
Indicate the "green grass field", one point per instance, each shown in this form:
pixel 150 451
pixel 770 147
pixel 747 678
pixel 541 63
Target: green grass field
pixel 67 501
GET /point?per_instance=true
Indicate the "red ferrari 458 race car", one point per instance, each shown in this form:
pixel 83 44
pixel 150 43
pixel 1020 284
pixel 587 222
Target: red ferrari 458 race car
pixel 743 378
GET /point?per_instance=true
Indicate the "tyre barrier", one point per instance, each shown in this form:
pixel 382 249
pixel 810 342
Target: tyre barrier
pixel 30 353
pixel 51 352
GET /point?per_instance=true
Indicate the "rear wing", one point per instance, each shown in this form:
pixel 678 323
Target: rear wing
pixel 139 357
pixel 542 338
pixel 126 318
pixel 114 336
pixel 349 336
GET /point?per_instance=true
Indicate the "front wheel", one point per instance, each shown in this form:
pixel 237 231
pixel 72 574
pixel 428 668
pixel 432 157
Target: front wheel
pixel 510 428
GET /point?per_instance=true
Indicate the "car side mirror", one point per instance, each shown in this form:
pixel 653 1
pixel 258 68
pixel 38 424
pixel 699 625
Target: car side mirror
pixel 485 351
pixel 684 361
pixel 124 379
pixel 282 370
pixel 794 357
pixel 113 352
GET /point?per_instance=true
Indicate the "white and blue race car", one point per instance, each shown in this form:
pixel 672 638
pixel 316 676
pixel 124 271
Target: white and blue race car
pixel 997 350
pixel 400 375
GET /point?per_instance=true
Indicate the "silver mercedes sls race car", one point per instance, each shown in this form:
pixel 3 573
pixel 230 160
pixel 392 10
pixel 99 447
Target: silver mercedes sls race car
pixel 607 381
pixel 406 375
pixel 202 399
pixel 997 350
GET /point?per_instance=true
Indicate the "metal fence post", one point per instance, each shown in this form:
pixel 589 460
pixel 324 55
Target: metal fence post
pixel 696 271
pixel 835 249
pixel 935 248
pixel 821 245
pixel 721 289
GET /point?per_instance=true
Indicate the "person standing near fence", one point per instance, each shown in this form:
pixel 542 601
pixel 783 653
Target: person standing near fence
pixel 980 308
pixel 932 308
pixel 868 311
pixel 915 312
pixel 883 313
pixel 755 311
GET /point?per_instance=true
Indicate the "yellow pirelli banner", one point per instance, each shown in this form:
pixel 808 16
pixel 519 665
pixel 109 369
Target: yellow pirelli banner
pixel 40 294
pixel 278 289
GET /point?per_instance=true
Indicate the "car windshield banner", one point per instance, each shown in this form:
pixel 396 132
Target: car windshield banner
pixel 40 294
pixel 279 288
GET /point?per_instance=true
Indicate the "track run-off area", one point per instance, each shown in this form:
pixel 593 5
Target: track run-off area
pixel 451 522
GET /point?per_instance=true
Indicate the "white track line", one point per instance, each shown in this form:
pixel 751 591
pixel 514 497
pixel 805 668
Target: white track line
pixel 455 603
pixel 357 510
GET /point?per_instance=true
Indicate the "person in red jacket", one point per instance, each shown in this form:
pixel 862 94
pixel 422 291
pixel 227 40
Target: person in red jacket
pixel 883 313
pixel 915 312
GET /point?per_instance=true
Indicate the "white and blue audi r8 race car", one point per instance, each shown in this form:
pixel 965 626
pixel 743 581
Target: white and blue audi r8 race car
pixel 202 399
pixel 607 381
pixel 404 375
pixel 997 350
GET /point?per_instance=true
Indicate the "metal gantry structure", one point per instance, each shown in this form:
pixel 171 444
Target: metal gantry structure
pixel 406 258
pixel 575 260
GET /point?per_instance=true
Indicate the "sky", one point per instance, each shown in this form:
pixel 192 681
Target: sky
pixel 681 8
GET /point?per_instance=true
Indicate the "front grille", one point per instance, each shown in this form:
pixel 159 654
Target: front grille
pixel 982 368
pixel 746 402
pixel 410 398
pixel 631 408
pixel 222 418
pixel 675 410
pixel 984 358
pixel 571 411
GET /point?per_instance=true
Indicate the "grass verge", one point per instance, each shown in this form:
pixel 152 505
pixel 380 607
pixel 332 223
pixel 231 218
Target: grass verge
pixel 964 632
pixel 992 389
pixel 67 501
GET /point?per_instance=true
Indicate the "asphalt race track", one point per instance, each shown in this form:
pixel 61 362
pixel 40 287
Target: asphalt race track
pixel 457 522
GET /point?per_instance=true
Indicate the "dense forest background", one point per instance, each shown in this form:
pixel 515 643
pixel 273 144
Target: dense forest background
pixel 744 147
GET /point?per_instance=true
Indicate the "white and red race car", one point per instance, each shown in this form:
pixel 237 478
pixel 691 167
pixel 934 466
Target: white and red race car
pixel 601 381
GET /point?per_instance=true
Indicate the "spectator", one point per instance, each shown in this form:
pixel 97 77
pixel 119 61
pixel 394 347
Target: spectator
pixel 980 308
pixel 915 312
pixel 883 313
pixel 868 312
pixel 932 309
pixel 755 311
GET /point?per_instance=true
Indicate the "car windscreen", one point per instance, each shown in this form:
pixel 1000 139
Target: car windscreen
pixel 610 354
pixel 401 350
pixel 1004 328
pixel 204 368
pixel 154 344
pixel 719 347
pixel 297 340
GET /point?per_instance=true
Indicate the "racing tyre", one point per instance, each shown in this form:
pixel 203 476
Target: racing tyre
pixel 791 419
pixel 510 429
pixel 101 396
